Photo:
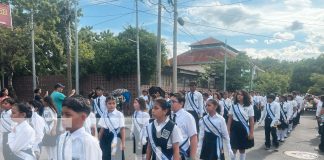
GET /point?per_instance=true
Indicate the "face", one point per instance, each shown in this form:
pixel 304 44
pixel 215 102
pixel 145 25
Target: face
pixel 157 94
pixel 239 96
pixel 99 92
pixel 6 105
pixel 136 105
pixel 211 108
pixel 16 115
pixel 175 105
pixel 158 112
pixel 111 105
pixel 269 100
pixel 60 89
pixel 192 88
pixel 6 92
pixel 281 99
pixel 225 95
pixel 72 120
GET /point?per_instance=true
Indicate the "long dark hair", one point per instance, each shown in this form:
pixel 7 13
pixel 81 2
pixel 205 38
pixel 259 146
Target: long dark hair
pixel 50 103
pixel 38 105
pixel 2 91
pixel 141 103
pixel 246 98
pixel 215 103
pixel 25 108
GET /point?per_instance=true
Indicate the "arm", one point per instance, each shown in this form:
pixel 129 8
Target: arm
pixel 148 151
pixel 100 133
pixel 229 123
pixel 122 133
pixel 193 146
pixel 201 135
pixel 251 120
pixel 176 151
pixel 72 93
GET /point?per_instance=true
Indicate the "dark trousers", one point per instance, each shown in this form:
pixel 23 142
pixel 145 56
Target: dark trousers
pixel 6 150
pixel 270 130
pixel 321 145
pixel 196 117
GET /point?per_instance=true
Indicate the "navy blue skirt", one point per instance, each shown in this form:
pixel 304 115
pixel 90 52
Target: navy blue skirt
pixel 239 137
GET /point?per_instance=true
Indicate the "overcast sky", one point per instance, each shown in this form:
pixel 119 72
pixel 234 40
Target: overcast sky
pixel 282 29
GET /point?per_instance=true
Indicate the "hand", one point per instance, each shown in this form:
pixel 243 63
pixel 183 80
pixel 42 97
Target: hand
pixel 251 136
pixel 230 153
pixel 73 91
pixel 53 132
pixel 122 147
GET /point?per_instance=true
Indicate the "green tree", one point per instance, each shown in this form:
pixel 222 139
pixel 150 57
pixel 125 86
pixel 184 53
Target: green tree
pixel 317 88
pixel 272 82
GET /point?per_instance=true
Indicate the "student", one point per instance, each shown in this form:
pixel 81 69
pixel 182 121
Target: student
pixel 194 103
pixel 50 116
pixel 185 121
pixel 6 125
pixel 319 104
pixel 321 127
pixel 283 127
pixel 271 116
pixel 76 143
pixel 240 124
pixel 112 132
pixel 205 98
pixel 212 132
pixel 4 94
pixel 90 124
pixel 292 111
pixel 164 135
pixel 22 137
pixel 225 104
pixel 100 103
pixel 140 120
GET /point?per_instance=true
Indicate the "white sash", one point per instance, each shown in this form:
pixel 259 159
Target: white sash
pixel 26 156
pixel 213 129
pixel 225 106
pixel 192 103
pixel 159 154
pixel 115 139
pixel 269 111
pixel 283 113
pixel 241 118
pixel 5 124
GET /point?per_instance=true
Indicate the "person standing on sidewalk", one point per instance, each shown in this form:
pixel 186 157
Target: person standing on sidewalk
pixel 321 126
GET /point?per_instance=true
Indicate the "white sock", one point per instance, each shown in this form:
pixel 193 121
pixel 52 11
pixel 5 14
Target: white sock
pixel 242 156
pixel 234 157
pixel 278 134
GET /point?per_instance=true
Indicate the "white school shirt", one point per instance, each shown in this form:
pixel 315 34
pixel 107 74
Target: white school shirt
pixel 89 122
pixel 102 101
pixel 185 121
pixel 247 112
pixel 5 121
pixel 22 138
pixel 197 103
pixel 290 110
pixel 78 145
pixel 219 122
pixel 116 118
pixel 38 124
pixel 319 108
pixel 176 136
pixel 286 109
pixel 228 103
pixel 142 119
pixel 49 116
pixel 275 108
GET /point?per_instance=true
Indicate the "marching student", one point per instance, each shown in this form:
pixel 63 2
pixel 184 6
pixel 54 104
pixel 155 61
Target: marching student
pixel 194 103
pixel 225 104
pixel 212 132
pixel 321 127
pixel 271 116
pixel 76 143
pixel 50 116
pixel 90 123
pixel 22 137
pixel 206 97
pixel 164 136
pixel 240 124
pixel 99 103
pixel 283 127
pixel 112 132
pixel 292 111
pixel 6 125
pixel 319 104
pixel 140 120
pixel 185 121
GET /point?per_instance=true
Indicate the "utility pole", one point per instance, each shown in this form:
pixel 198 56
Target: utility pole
pixel 225 65
pixel 76 49
pixel 68 46
pixel 158 57
pixel 33 48
pixel 138 54
pixel 175 65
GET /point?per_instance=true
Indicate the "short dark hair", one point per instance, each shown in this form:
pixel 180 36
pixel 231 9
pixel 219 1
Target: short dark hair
pixel 271 96
pixel 111 98
pixel 141 103
pixel 58 85
pixel 77 104
pixel 36 90
pixel 9 100
pixel 25 108
pixel 100 88
pixel 164 105
pixel 179 96
pixel 205 94
pixel 192 83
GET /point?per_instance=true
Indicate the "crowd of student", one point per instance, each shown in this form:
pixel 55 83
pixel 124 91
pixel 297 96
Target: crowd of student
pixel 184 125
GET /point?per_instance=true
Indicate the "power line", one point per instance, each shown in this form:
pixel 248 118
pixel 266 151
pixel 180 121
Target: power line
pixel 219 5
pixel 111 19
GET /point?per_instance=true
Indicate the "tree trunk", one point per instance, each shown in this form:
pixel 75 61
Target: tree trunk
pixel 12 92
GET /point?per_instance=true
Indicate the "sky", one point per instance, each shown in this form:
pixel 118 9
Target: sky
pixel 282 29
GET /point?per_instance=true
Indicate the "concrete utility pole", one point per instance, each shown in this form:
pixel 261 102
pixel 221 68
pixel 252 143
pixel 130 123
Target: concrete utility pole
pixel 225 65
pixel 175 65
pixel 138 54
pixel 68 46
pixel 33 49
pixel 158 57
pixel 77 90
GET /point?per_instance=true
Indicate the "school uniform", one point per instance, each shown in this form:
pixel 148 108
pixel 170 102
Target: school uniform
pixel 256 107
pixel 212 132
pixel 283 126
pixel 78 145
pixel 184 120
pixel 293 114
pixel 49 141
pixel 38 124
pixel 112 122
pixel 162 137
pixel 194 105
pixel 100 106
pixel 225 105
pixel 240 128
pixel 271 117
pixel 21 141
pixel 140 120
pixel 5 128
pixel 300 102
pixel 89 123
pixel 205 105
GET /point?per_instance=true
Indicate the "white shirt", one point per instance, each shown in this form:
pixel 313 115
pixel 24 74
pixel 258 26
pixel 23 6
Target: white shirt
pixel 275 108
pixel 247 112
pixel 219 122
pixel 145 97
pixel 78 145
pixel 5 121
pixel 102 103
pixel 175 137
pixel 20 139
pixel 50 116
pixel 285 108
pixel 38 124
pixel 116 120
pixel 222 104
pixel 89 122
pixel 319 108
pixel 196 104
pixel 185 121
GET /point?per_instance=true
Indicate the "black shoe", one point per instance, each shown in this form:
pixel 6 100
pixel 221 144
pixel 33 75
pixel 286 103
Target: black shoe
pixel 267 148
